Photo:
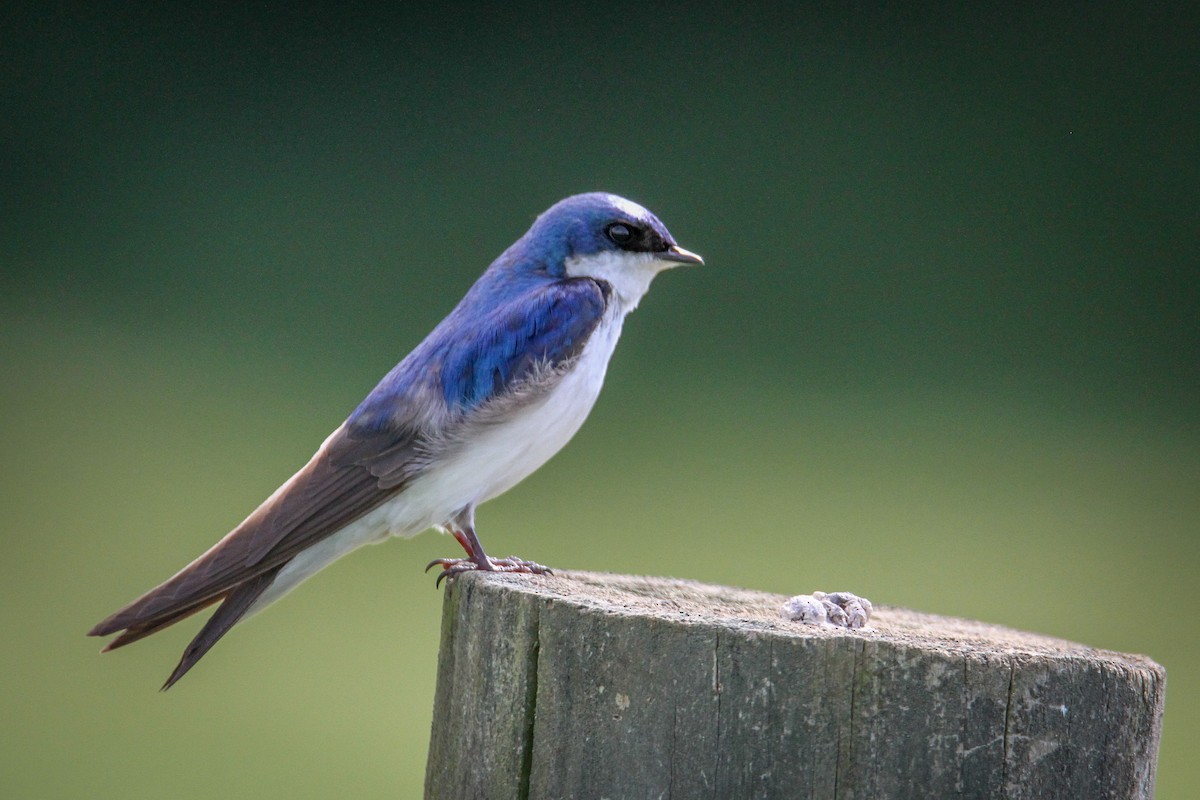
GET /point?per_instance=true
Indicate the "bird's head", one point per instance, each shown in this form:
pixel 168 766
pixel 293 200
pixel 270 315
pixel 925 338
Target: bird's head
pixel 604 236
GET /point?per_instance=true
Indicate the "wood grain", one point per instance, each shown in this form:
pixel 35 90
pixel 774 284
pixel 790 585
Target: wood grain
pixel 585 685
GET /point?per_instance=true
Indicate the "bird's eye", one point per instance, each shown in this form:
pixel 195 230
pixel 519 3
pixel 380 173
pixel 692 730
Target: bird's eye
pixel 620 233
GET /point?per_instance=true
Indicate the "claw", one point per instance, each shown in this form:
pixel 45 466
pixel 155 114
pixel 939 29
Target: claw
pixel 457 569
pixel 457 566
pixel 463 529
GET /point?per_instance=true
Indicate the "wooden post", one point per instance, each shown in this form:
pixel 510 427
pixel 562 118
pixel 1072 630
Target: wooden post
pixel 585 685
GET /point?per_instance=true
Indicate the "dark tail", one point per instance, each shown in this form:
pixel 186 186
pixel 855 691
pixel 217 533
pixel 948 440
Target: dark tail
pixel 235 606
pixel 142 630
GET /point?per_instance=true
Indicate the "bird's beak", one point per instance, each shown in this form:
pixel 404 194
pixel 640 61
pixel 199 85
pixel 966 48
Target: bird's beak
pixel 679 255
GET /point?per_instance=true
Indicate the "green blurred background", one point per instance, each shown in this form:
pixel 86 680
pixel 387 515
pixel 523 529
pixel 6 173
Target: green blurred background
pixel 944 352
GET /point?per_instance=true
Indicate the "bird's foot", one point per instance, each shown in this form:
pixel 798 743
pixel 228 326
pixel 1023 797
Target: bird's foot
pixel 839 609
pixel 457 566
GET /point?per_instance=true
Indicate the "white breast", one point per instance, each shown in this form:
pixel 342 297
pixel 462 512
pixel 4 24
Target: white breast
pixel 499 456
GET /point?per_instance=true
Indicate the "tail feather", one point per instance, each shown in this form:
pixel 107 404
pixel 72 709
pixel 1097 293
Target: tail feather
pixel 142 630
pixel 237 602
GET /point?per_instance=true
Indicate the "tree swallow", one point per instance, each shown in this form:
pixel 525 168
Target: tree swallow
pixel 498 387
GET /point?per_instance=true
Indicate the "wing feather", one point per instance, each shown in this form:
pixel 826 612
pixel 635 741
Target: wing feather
pixel 473 357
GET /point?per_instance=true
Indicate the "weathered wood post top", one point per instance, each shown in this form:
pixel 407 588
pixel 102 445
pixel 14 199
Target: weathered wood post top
pixel 591 685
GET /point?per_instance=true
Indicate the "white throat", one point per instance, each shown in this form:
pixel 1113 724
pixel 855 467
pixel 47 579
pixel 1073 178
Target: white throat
pixel 629 274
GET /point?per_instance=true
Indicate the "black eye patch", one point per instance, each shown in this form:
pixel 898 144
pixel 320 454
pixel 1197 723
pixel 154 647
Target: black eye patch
pixel 628 236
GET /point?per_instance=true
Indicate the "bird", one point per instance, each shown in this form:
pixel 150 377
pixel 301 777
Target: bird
pixel 498 387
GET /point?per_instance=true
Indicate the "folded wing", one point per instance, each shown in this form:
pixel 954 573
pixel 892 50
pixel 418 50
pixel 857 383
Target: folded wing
pixel 463 367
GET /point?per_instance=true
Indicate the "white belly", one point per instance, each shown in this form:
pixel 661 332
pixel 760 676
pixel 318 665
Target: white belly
pixel 502 455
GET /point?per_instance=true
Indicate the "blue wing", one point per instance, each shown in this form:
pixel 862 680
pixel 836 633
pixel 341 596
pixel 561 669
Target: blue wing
pixel 546 328
pixel 480 351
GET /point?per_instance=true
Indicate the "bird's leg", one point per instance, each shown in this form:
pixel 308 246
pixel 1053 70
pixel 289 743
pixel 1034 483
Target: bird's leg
pixel 464 541
pixel 446 563
pixel 470 543
pixel 463 529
